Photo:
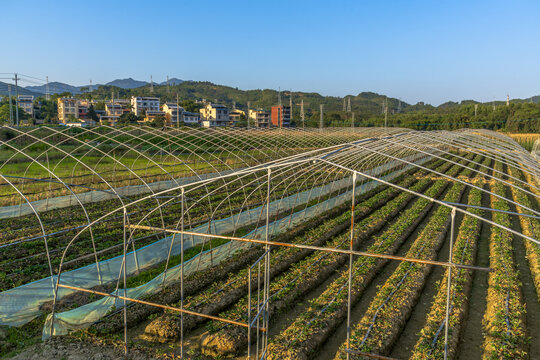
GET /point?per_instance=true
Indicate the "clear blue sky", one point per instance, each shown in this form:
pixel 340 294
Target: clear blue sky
pixel 430 51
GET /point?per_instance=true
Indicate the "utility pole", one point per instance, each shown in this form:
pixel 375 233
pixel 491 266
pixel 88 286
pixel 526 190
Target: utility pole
pixel 348 104
pixel 290 109
pixel 302 114
pixel 248 106
pixel 151 85
pixel 47 93
pixel 177 111
pixel 475 109
pixel 16 98
pixel 386 113
pixel 352 120
pixel 321 124
pixel 10 109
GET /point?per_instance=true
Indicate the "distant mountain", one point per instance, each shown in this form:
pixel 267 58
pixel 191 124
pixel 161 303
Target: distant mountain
pixel 533 99
pixel 55 87
pixel 128 83
pixel 173 81
pixel 4 91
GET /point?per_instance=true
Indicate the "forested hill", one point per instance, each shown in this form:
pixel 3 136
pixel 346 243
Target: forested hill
pixel 366 102
pixel 522 115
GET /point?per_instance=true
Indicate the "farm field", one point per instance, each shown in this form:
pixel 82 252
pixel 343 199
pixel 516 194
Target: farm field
pixel 351 244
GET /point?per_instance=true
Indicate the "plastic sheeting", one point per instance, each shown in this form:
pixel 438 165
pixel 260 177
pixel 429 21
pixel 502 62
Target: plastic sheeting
pixel 22 304
pixel 86 315
pixel 100 195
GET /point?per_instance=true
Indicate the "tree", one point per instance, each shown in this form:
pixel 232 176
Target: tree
pixel 73 119
pixel 127 119
pixel 191 106
pixel 4 113
pixel 159 121
pixel 92 113
pixel 48 111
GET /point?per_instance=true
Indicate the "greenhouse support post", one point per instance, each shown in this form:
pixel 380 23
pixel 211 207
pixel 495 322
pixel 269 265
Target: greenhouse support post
pixel 449 283
pixel 350 265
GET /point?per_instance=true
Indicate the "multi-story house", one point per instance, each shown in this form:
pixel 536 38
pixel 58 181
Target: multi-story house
pixel 281 116
pixel 142 104
pixel 68 109
pixel 235 115
pixel 114 109
pixel 259 118
pixel 26 102
pixel 214 115
pixel 190 118
pixel 173 113
pixel 152 115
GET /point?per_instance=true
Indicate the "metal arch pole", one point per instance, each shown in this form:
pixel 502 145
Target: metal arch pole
pixel 266 291
pixel 258 303
pixel 449 283
pixel 440 202
pixel 125 285
pixel 350 267
pixel 182 195
pixel 249 315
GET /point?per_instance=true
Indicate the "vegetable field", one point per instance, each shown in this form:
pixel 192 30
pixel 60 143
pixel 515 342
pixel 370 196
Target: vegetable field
pixel 278 244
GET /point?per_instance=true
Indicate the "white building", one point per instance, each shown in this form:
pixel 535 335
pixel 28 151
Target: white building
pixel 26 102
pixel 143 103
pixel 190 118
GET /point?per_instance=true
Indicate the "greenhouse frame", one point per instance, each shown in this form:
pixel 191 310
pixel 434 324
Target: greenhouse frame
pixel 97 222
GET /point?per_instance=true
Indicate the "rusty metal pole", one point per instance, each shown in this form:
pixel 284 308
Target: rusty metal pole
pixel 249 314
pixel 449 283
pixel 350 266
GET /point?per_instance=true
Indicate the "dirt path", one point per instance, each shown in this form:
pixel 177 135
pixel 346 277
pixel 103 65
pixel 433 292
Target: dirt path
pixel 67 348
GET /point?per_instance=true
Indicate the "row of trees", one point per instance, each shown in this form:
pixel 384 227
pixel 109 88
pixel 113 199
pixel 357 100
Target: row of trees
pixel 517 118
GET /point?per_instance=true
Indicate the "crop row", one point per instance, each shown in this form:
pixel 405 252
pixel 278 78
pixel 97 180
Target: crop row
pixel 213 289
pixel 389 310
pixel 302 277
pixel 431 342
pixel 106 235
pixel 529 226
pixel 504 327
pixel 217 193
pixel 328 310
pixel 221 295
